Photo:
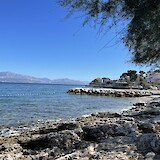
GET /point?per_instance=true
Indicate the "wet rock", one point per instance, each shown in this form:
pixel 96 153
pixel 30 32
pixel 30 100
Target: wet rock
pixel 139 104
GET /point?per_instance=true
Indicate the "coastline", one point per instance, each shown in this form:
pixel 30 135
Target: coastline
pixel 113 92
pixel 130 134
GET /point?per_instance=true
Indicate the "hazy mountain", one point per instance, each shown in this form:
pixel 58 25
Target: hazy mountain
pixel 155 77
pixel 18 78
pixel 69 81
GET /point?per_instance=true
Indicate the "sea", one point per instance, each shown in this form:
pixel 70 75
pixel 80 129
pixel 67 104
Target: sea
pixel 26 103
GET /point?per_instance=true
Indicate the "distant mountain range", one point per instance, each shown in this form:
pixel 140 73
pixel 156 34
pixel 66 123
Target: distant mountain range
pixel 10 77
pixel 155 77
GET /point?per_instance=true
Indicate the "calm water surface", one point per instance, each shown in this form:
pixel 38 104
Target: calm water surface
pixel 23 103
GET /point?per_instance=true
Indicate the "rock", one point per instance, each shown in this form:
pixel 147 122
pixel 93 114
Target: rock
pixel 2 148
pixel 157 104
pixel 67 126
pixel 64 139
pixel 149 142
pixel 139 104
pixel 150 156
pixel 106 114
pixel 93 133
pixel 53 144
pixel 132 134
pixel 147 127
pixel 123 130
pixel 146 113
pixel 46 130
pixel 110 92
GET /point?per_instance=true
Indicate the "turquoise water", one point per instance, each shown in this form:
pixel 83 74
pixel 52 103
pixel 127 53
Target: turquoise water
pixel 23 103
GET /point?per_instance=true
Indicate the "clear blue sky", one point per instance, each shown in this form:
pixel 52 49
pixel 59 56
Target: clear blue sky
pixel 36 39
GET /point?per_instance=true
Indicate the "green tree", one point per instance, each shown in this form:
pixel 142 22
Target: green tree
pixel 124 77
pixel 142 73
pixel 141 34
pixel 141 76
pixel 132 74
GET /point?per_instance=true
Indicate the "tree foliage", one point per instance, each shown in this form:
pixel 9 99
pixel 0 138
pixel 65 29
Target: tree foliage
pixel 140 18
pixel 131 74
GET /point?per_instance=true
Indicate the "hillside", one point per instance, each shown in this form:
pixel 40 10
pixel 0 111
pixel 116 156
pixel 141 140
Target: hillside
pixel 10 77
pixel 155 77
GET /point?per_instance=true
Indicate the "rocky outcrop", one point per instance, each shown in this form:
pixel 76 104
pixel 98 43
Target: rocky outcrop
pixel 113 92
pixel 130 135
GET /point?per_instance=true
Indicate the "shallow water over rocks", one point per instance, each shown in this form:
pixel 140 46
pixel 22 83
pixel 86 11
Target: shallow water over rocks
pixel 132 134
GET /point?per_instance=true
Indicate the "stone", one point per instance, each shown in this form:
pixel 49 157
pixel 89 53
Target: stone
pixel 157 104
pixel 148 142
pixel 67 126
pixel 139 104
pixel 92 133
pixel 150 156
pixel 147 127
pixel 111 92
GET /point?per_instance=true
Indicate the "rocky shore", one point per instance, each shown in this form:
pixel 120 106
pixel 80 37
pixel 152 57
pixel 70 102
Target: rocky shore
pixel 113 92
pixel 130 135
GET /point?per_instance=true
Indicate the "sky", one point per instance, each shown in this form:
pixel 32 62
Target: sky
pixel 36 39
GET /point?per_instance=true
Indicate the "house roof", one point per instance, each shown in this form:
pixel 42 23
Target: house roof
pixel 98 78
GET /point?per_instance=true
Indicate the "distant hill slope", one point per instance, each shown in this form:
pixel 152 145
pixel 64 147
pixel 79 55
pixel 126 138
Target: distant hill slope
pixel 18 78
pixel 155 77
pixel 69 81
